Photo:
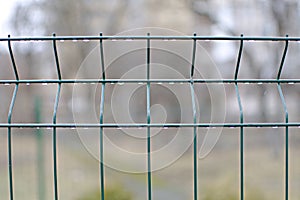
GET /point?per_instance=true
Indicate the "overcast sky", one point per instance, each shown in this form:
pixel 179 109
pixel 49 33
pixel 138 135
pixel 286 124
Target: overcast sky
pixel 6 7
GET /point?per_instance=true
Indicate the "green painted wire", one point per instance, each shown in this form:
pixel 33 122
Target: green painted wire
pixel 195 138
pixel 54 139
pixel 286 176
pixel 241 120
pixel 148 122
pixel 9 137
pixel 102 186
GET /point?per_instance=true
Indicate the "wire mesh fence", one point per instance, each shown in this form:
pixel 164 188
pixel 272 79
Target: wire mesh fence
pixel 105 80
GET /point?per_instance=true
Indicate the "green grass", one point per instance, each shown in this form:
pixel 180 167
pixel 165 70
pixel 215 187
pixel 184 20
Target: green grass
pixel 111 193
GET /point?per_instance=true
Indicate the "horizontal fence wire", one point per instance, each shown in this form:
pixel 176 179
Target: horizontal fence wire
pixel 151 37
pixel 104 80
pixel 152 125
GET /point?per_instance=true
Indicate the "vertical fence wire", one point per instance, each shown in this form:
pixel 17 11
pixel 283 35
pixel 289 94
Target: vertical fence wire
pixel 9 133
pixel 101 121
pixel 148 121
pixel 286 174
pixel 195 144
pixel 241 120
pixel 54 140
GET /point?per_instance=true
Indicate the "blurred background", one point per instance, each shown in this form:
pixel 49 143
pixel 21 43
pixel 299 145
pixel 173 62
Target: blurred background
pixel 78 165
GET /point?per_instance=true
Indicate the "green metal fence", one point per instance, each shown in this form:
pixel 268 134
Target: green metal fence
pixel 102 125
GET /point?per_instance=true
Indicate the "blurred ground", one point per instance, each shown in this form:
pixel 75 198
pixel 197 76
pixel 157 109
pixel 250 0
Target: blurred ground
pixel 218 173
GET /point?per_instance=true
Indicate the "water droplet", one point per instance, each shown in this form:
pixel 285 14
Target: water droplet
pixel 140 83
pixel 259 83
pixel 6 84
pixel 86 40
pixel 298 126
pixel 232 127
pixel 38 128
pixel 27 84
pixel 291 83
pixel 112 83
pixel 274 126
pixel 159 83
pixel 119 128
pixel 171 83
pixel 113 40
pixel 121 83
pixel 93 83
pixel 73 128
pixel 74 40
pixel 166 127
pixel 247 83
pixel 62 40
pixel 44 83
pixel 48 128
